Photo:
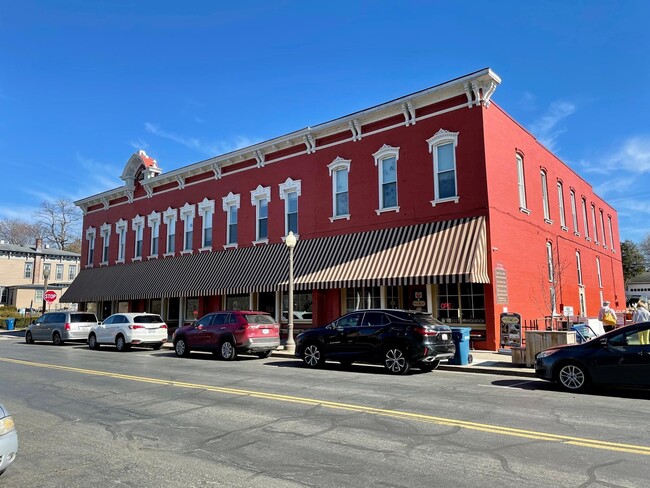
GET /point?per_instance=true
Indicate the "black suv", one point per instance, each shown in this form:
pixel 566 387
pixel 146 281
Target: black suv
pixel 395 338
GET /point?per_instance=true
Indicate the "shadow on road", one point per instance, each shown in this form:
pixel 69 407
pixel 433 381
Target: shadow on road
pixel 636 394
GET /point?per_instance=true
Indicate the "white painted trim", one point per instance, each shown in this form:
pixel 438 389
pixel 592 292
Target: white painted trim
pixel 340 217
pixel 260 242
pixel 386 152
pixel 339 164
pixel 445 200
pixel 389 209
pixel 442 138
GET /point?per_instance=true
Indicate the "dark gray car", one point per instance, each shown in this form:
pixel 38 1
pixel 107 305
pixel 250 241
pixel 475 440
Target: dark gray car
pixel 60 327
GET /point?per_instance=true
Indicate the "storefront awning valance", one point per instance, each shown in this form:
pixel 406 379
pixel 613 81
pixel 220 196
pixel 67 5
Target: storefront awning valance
pixel 451 251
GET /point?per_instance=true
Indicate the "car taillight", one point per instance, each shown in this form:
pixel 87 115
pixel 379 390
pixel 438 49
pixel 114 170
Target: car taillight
pixel 67 327
pixel 425 331
pixel 163 326
pixel 135 326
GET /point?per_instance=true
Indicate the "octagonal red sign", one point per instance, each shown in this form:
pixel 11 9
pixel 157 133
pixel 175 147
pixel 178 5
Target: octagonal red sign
pixel 50 296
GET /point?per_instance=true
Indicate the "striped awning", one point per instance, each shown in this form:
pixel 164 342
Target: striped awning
pixel 452 251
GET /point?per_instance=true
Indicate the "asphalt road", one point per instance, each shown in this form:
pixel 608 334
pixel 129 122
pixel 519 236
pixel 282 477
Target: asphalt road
pixel 148 419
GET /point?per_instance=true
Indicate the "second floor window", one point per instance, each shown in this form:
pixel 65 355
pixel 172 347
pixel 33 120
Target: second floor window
pixel 579 268
pixel 72 272
pixel 59 272
pixel 90 237
pixel 593 222
pixel 574 212
pixel 292 212
pixel 206 211
pixel 138 230
pixel 549 259
pixel 155 236
pixel 547 212
pixel 106 248
pixel 29 270
pixel 169 217
pixel 232 224
pixel 584 217
pixel 262 219
pixel 600 277
pixel 611 232
pixel 521 182
pixel 120 229
pixel 188 223
pixel 602 227
pixel 386 161
pixel 560 197
pixel 230 205
pixel 341 207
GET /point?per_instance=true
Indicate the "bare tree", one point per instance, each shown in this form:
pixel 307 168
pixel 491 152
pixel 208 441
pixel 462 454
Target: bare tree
pixel 19 232
pixel 60 221
pixel 547 289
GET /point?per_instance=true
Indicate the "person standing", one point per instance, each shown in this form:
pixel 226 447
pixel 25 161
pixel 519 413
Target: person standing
pixel 642 315
pixel 607 316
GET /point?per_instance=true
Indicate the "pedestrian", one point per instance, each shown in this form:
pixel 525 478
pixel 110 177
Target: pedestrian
pixel 607 316
pixel 642 315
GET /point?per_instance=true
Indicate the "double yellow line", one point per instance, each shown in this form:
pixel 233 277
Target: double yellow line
pixel 492 429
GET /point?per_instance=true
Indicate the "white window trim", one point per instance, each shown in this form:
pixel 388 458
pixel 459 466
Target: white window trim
pixel 574 212
pixel 289 186
pixel 339 164
pixel 205 207
pixel 169 215
pixel 137 223
pixel 594 223
pixel 105 233
pixel 91 233
pixel 187 212
pixel 560 197
pixel 440 138
pixel 545 203
pixel 579 268
pixel 56 272
pixel 585 218
pixel 611 233
pixel 599 273
pixel 229 201
pixel 121 225
pixel 386 152
pixel 258 194
pixel 602 227
pixel 521 184
pixel 153 220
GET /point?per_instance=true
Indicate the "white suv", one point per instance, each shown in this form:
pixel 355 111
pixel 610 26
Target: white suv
pixel 129 329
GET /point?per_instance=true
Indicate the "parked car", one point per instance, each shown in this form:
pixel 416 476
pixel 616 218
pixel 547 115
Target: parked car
pixel 583 332
pixel 228 333
pixel 8 439
pixel 621 357
pixel 129 329
pixel 60 327
pixel 397 339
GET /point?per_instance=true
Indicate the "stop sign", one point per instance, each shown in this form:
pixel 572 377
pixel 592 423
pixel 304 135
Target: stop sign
pixel 50 296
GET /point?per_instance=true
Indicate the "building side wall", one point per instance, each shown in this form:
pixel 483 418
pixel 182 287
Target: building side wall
pixel 518 239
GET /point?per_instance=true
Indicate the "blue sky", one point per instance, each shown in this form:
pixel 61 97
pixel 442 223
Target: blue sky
pixel 83 84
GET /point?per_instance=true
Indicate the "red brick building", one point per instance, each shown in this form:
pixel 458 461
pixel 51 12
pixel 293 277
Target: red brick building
pixel 437 200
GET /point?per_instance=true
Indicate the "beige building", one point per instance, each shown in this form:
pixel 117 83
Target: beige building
pixel 22 275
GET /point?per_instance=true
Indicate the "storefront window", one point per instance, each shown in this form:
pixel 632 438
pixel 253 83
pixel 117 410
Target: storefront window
pixel 362 297
pixel 191 309
pixel 462 303
pixel 238 302
pixel 392 297
pixel 123 307
pixel 302 303
pixel 156 306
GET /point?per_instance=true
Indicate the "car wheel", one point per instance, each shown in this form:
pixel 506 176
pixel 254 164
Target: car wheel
pixel 156 347
pixel 265 354
pixel 181 349
pixel 395 360
pixel 56 339
pixel 313 356
pixel 227 350
pixel 572 377
pixel 28 338
pixel 92 342
pixel 428 367
pixel 120 344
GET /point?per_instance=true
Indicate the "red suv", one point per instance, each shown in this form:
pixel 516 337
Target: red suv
pixel 227 333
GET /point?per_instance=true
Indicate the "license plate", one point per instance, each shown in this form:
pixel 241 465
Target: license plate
pixel 444 337
pixel 151 331
pixel 265 331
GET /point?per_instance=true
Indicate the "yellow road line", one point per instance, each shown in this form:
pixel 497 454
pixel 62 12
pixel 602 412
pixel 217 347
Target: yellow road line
pixel 492 429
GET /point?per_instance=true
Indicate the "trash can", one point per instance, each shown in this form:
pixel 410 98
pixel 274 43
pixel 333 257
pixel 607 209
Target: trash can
pixel 461 340
pixel 10 323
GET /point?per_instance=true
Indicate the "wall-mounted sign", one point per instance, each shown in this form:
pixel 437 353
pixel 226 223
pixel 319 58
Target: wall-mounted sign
pixel 567 311
pixel 501 284
pixel 510 329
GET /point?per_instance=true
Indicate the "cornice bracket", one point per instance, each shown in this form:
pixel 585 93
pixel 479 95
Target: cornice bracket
pixel 216 168
pixel 260 157
pixel 181 182
pixel 105 203
pixel 309 141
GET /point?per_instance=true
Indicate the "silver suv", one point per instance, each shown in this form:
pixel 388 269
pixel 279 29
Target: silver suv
pixel 60 327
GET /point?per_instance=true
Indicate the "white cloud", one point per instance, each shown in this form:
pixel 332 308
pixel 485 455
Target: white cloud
pixel 547 129
pixel 14 212
pixel 207 148
pixel 97 176
pixel 634 155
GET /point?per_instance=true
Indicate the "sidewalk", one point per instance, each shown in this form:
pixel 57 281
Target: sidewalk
pixel 486 362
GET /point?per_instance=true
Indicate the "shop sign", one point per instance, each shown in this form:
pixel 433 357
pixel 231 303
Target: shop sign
pixel 501 284
pixel 510 329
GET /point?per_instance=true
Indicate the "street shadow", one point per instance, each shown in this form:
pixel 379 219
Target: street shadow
pixel 356 368
pixel 599 391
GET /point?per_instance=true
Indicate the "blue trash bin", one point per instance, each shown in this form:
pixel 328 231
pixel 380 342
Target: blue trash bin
pixel 461 340
pixel 10 323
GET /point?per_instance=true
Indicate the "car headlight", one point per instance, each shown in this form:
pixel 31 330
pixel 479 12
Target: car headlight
pixel 545 354
pixel 6 425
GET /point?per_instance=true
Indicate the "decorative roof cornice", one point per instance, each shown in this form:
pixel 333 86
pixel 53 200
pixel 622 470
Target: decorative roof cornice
pixel 478 87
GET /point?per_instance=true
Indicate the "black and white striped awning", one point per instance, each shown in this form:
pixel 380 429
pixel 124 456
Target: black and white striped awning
pixel 452 251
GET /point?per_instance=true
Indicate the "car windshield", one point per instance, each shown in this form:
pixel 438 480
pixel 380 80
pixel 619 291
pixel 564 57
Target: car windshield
pixel 259 318
pixel 82 317
pixel 147 319
pixel 585 331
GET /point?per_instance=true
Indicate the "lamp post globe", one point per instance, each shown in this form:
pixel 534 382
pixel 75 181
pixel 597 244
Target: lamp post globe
pixel 290 345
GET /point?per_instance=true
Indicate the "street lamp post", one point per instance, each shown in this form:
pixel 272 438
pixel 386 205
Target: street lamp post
pixel 46 275
pixel 290 241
